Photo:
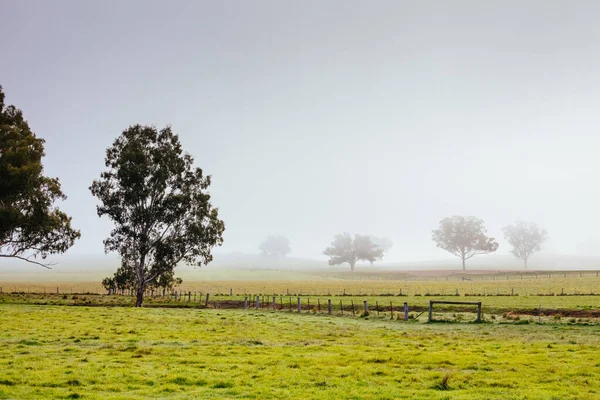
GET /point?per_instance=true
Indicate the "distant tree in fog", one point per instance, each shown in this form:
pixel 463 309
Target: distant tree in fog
pixel 465 237
pixel 346 249
pixel 526 238
pixel 275 246
pixel 383 243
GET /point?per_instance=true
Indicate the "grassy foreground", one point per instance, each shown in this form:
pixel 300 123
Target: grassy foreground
pixel 126 353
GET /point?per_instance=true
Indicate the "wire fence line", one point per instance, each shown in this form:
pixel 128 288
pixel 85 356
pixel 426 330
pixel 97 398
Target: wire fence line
pixel 179 294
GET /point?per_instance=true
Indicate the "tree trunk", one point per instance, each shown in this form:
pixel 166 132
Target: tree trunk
pixel 141 280
pixel 140 296
pixel 463 263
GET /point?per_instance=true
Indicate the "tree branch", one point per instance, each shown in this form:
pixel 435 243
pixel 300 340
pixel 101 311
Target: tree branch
pixel 47 266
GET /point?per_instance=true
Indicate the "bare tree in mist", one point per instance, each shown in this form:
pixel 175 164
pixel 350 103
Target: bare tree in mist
pixel 275 246
pixel 465 237
pixel 385 244
pixel 346 249
pixel 526 238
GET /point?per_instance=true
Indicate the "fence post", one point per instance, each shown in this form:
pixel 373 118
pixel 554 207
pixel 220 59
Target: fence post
pixel 230 292
pixel 257 302
pixel 377 307
pixel 245 302
pixel 430 310
pixel 189 297
pixel 391 311
pixel 207 297
pixel 406 311
pixel 274 302
pixel 299 305
pixel 352 302
pixel 366 307
pixel 329 306
pixel 479 312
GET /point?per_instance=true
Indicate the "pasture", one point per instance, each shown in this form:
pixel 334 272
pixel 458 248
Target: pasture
pixel 73 344
pixel 127 353
pixel 333 282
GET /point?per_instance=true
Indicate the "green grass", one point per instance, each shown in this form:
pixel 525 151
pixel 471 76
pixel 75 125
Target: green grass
pixel 126 353
pixel 587 307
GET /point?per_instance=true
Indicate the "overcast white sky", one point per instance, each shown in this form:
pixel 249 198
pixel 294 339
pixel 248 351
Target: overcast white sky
pixel 319 117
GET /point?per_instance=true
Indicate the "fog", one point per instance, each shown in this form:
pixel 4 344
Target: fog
pixel 316 118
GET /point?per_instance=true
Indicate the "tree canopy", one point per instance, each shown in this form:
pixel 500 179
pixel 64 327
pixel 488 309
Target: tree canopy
pixel 347 249
pixel 125 279
pixel 30 224
pixel 526 238
pixel 159 204
pixel 465 237
pixel 385 244
pixel 275 246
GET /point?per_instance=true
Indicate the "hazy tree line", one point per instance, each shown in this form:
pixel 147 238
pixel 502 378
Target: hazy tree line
pixel 465 237
pixel 162 212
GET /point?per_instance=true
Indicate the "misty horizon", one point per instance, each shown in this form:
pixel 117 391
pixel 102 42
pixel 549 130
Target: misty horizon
pixel 312 120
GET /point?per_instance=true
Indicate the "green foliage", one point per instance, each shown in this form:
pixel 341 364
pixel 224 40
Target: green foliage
pixel 159 204
pixel 30 225
pixel 348 249
pixel 465 237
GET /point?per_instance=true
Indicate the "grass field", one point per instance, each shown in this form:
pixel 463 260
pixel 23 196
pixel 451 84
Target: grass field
pixel 336 283
pixel 74 345
pixel 126 353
